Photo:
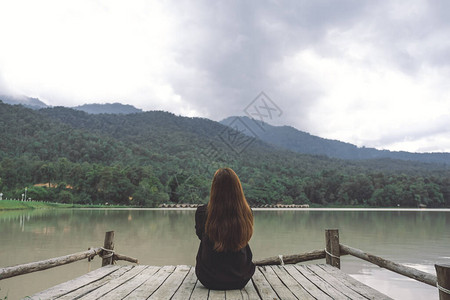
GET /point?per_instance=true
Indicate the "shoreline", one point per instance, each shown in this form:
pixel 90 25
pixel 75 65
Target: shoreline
pixel 15 205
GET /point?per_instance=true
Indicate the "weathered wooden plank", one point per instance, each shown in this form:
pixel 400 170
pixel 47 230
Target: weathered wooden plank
pixel 338 285
pixel 320 283
pixel 46 264
pixel 149 287
pixel 80 292
pixel 270 282
pixel 216 295
pixel 199 292
pixel 249 292
pixel 263 287
pixel 67 287
pixel 187 287
pixel 282 291
pixel 113 284
pixel 354 284
pixel 171 284
pixel 291 283
pixel 132 284
pixel 306 283
pixel 233 295
pixel 393 266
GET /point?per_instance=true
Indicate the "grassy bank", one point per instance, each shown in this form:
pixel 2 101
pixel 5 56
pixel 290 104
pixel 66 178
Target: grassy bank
pixel 16 205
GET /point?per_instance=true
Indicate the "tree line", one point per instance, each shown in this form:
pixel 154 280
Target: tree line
pixel 143 186
pixel 146 159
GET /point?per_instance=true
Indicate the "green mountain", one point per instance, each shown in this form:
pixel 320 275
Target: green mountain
pixel 148 158
pixel 108 108
pixel 302 142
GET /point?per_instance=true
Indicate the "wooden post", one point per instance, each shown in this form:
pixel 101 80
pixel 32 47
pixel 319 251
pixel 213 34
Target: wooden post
pixel 332 249
pixel 109 244
pixel 443 281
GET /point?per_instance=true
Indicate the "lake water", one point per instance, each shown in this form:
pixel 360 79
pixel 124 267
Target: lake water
pixel 418 238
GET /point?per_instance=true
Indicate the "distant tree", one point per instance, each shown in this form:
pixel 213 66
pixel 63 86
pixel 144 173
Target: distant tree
pixel 150 193
pixel 39 193
pixel 65 197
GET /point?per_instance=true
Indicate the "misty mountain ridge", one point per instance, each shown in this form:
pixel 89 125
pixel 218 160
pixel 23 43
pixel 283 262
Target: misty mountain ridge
pixel 108 108
pixel 95 108
pixel 302 142
pixel 33 103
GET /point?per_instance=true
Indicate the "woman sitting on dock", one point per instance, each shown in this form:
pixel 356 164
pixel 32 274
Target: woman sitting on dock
pixel 224 226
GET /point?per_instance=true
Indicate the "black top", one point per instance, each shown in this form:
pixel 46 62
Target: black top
pixel 220 270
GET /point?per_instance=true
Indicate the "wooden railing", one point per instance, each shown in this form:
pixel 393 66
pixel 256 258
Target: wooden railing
pixel 106 252
pixel 392 266
pixel 334 250
pixel 332 253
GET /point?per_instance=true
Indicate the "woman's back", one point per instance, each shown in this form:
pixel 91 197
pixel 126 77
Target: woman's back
pixel 220 270
pixel 224 227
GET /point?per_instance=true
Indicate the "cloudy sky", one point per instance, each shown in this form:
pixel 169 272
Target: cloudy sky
pixel 372 73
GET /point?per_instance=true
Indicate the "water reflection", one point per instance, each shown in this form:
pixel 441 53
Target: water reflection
pixel 166 237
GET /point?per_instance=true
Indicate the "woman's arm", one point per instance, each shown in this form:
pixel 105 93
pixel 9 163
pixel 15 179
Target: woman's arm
pixel 200 220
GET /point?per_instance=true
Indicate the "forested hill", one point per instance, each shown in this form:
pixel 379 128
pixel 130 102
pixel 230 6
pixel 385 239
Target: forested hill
pixel 303 142
pixel 148 158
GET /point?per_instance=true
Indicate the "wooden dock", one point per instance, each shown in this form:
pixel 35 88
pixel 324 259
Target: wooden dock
pixel 278 277
pixel 179 282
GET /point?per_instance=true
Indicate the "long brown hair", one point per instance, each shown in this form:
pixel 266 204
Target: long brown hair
pixel 229 221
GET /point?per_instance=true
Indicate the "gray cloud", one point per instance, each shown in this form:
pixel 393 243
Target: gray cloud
pixel 4 90
pixel 238 45
pixel 420 130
